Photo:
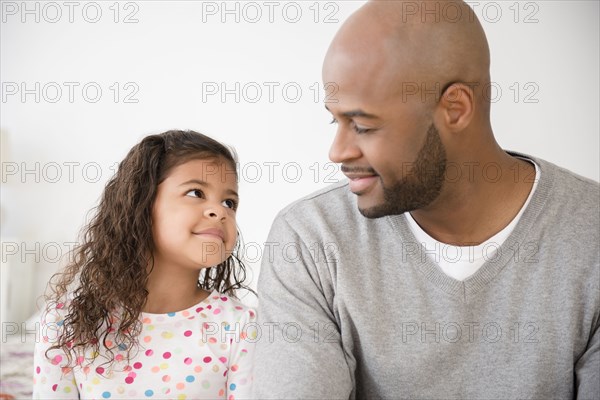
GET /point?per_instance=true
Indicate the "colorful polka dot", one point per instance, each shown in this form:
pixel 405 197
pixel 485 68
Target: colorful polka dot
pixel 184 353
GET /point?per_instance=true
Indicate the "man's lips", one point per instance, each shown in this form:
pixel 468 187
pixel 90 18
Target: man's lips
pixel 361 180
pixel 216 232
pixel 359 185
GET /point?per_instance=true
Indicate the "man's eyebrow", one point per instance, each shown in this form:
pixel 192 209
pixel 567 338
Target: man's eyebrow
pixel 202 183
pixel 356 113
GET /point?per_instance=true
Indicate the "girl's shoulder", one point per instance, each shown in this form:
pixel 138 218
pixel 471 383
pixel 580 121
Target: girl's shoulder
pixel 224 307
pixel 216 308
pixel 54 312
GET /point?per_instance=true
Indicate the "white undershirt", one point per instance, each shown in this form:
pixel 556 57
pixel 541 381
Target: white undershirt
pixel 460 262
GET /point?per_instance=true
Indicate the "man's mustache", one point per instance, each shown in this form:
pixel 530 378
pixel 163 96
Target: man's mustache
pixel 360 170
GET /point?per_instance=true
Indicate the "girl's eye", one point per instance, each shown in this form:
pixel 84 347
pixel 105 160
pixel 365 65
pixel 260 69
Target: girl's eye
pixel 230 203
pixel 195 193
pixel 334 121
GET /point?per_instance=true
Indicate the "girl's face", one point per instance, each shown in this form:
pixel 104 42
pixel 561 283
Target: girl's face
pixel 193 219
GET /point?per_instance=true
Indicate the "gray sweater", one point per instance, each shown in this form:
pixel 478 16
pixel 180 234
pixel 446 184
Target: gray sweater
pixel 354 308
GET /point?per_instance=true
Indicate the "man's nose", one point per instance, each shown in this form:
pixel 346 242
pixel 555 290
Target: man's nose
pixel 343 147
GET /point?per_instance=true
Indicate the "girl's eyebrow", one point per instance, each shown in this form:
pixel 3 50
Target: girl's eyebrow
pixel 196 181
pixel 202 183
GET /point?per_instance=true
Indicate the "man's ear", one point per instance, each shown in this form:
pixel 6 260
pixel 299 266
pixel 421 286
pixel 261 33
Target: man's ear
pixel 456 107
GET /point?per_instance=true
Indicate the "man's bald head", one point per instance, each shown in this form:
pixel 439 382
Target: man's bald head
pixel 402 43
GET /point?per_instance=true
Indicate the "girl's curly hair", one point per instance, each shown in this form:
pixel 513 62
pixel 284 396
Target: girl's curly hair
pixel 108 272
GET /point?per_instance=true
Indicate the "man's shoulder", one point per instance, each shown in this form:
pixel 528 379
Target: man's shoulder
pixel 330 198
pixel 566 199
pixel 328 211
pixel 570 184
pixel 562 180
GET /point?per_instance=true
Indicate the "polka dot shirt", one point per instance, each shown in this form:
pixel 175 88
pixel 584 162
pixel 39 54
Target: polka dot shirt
pixel 203 352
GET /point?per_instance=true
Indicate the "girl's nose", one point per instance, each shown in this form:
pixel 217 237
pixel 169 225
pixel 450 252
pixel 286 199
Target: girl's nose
pixel 214 212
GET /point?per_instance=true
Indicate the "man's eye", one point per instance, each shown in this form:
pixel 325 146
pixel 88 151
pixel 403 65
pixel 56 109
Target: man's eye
pixel 360 130
pixel 195 193
pixel 230 203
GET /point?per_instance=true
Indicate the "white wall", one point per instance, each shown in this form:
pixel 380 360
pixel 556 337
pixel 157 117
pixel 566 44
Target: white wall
pixel 176 50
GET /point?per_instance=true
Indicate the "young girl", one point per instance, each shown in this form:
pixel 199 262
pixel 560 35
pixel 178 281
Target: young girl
pixel 146 307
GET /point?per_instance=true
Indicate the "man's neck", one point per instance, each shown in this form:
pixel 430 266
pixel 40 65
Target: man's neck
pixel 479 205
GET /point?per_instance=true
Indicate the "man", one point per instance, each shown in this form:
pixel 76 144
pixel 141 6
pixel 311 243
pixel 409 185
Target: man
pixel 445 267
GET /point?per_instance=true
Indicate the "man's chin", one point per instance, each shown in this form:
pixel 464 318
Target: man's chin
pixel 377 212
pixel 373 210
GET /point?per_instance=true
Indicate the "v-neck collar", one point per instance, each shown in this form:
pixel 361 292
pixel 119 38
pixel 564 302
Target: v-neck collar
pixel 513 248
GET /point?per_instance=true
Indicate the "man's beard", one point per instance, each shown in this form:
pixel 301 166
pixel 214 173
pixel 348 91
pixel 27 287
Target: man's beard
pixel 421 186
